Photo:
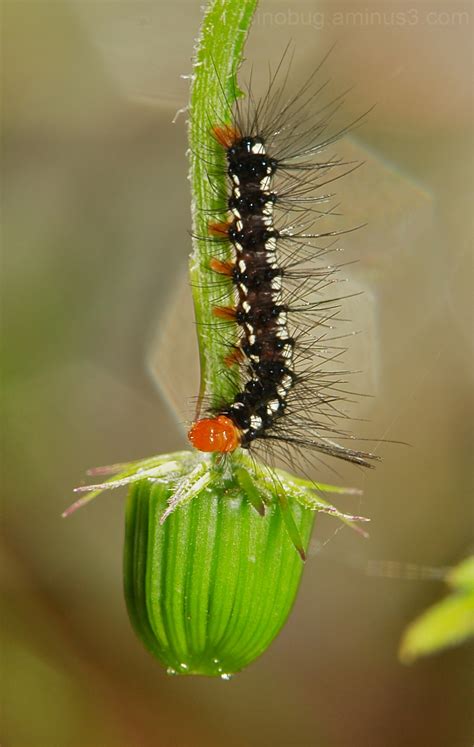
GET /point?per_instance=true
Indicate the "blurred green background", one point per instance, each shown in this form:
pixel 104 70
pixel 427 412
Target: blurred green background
pixel 95 242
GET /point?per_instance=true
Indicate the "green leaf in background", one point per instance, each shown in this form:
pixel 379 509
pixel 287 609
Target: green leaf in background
pixel 461 577
pixel 448 622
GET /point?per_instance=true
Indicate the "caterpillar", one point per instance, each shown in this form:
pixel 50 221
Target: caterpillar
pixel 288 394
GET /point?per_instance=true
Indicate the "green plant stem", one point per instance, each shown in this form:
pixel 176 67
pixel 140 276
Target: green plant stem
pixel 213 92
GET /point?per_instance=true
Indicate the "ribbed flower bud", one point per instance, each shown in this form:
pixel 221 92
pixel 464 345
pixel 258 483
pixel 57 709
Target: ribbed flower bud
pixel 208 589
pixel 213 554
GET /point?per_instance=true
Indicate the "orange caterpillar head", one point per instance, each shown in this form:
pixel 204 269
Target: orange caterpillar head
pixel 214 434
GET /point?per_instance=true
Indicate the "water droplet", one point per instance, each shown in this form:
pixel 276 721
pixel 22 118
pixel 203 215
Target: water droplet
pixel 215 661
pixel 171 671
pixel 183 666
pixel 226 676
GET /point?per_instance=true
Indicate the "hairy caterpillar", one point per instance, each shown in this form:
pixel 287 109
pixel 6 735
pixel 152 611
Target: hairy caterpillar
pixel 289 392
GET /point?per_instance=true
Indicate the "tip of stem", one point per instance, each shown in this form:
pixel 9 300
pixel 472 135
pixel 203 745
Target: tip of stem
pixel 73 507
pixel 302 554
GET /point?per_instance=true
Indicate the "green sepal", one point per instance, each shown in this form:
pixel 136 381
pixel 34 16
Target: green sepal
pixel 250 489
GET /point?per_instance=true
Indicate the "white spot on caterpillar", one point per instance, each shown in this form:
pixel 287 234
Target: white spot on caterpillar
pixel 273 406
pixel 256 422
pixel 258 148
pixel 287 382
pixel 235 179
pixel 236 192
pixel 246 306
pixel 276 283
pixel 235 213
pixel 270 244
pixel 265 182
pixel 251 337
pixel 242 265
pixel 240 225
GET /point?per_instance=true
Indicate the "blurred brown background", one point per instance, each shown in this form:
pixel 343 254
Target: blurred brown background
pixel 95 243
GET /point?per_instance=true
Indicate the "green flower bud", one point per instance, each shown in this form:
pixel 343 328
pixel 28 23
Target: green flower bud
pixel 213 554
pixel 208 589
